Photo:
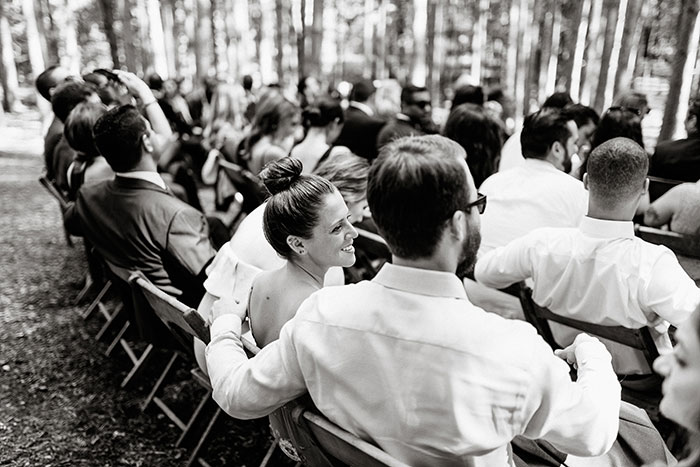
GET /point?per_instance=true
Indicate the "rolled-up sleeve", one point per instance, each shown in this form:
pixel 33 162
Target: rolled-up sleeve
pixel 505 265
pixel 581 417
pixel 251 388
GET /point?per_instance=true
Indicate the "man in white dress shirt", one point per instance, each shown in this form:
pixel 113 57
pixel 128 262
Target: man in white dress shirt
pixel 599 271
pixel 405 360
pixel 537 194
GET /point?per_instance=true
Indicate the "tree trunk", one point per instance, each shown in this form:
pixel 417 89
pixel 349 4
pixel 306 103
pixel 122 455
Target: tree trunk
pixel 577 64
pixel 144 47
pixel 521 98
pixel 512 51
pixel 68 47
pixel 316 39
pixel 681 72
pixel 36 58
pixel 203 39
pixel 381 69
pixel 170 37
pixel 634 22
pixel 553 59
pixel 479 38
pixel 611 54
pixel 594 46
pixel 370 13
pixel 107 8
pixel 420 22
pixel 8 70
pixel 267 45
pixel 279 39
pixel 546 83
pixel 301 39
pixel 41 31
pixel 128 32
pixel 430 52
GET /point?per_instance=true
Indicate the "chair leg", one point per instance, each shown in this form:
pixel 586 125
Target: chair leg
pixel 146 356
pixel 203 438
pixel 86 314
pixel 86 288
pixel 111 320
pixel 269 453
pixel 117 340
pixel 194 420
pixel 159 382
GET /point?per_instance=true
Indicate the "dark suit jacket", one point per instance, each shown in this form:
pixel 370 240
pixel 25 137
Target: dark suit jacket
pixel 359 133
pixel 135 224
pixel 63 156
pixel 51 139
pixel 397 128
pixel 677 160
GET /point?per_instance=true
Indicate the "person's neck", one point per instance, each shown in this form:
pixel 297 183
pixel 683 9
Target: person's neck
pixel 315 136
pixel 307 271
pixel 433 263
pixel 623 212
pixel 146 164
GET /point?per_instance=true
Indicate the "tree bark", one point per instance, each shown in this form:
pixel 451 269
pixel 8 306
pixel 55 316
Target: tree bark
pixel 594 46
pixel 479 38
pixel 512 51
pixel 279 39
pixel 381 68
pixel 36 58
pixel 420 22
pixel 203 39
pixel 521 98
pixel 301 40
pixel 8 70
pixel 430 50
pixel 611 52
pixel 107 8
pixel 368 35
pixel 316 39
pixel 169 36
pixel 577 64
pixel 41 31
pixel 267 68
pixel 69 52
pixel 634 22
pixel 128 32
pixel 681 72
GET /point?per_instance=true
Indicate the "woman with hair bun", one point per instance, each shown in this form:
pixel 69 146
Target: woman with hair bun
pixel 308 224
pixel 324 120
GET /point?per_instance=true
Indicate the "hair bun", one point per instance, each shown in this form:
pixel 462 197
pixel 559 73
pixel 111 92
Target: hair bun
pixel 280 175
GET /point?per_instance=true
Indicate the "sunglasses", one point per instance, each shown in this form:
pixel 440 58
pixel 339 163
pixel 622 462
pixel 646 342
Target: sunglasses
pixel 421 104
pixel 480 203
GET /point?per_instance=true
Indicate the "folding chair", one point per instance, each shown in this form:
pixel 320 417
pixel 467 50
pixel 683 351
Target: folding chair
pixel 246 183
pixel 638 339
pixel 185 323
pixel 58 196
pixel 684 245
pixel 658 186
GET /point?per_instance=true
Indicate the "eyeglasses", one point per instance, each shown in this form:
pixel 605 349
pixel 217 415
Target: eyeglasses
pixel 480 203
pixel 421 104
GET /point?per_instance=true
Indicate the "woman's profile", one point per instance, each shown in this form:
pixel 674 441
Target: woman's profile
pixel 308 224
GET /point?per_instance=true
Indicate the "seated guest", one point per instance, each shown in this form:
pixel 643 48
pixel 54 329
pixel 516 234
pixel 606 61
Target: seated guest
pixel 537 194
pixel 346 171
pixel 64 99
pixel 89 167
pixel 308 224
pixel 414 118
pixel 586 120
pixel 600 272
pixel 45 84
pixel 275 128
pixel 468 93
pixel 308 90
pixel 681 372
pixel 679 207
pixel 480 136
pixel 405 360
pixel 133 220
pixel 359 133
pixel 324 121
pixel 680 160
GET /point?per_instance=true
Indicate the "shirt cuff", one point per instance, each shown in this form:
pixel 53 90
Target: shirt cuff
pixel 225 323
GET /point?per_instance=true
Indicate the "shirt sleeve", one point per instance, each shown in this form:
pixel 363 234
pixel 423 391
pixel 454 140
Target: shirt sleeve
pixel 188 240
pixel 71 220
pixel 506 265
pixel 670 292
pixel 252 388
pixel 581 417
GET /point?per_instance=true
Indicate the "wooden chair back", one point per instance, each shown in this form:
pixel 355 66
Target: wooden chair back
pixel 54 191
pixel 658 186
pixel 540 317
pixel 248 185
pixel 684 245
pixel 177 316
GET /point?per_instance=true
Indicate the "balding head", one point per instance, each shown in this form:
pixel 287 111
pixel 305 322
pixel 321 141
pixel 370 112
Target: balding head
pixel 617 171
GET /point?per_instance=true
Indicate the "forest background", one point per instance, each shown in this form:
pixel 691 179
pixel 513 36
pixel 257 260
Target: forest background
pixel 594 49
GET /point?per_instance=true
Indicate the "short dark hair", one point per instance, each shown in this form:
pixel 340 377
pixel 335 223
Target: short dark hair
pixel 408 91
pixel 468 94
pixel 558 100
pixel 581 114
pixel 294 205
pixel 47 81
pixel 118 136
pixel 348 173
pixel 362 90
pixel 618 121
pixel 69 94
pixel 479 134
pixel 415 186
pixel 322 112
pixel 541 130
pixel 617 170
pixel 79 125
pixel 633 100
pixel 247 82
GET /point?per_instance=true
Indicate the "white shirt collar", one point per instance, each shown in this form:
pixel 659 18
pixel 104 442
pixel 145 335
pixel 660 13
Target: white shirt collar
pixel 543 164
pixel 363 107
pixel 402 116
pixel 146 175
pixel 601 228
pixel 420 281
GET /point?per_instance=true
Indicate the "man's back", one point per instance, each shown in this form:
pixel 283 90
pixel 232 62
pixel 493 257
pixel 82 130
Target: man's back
pixel 574 270
pixel 407 362
pixel 359 133
pixel 136 224
pixel 677 160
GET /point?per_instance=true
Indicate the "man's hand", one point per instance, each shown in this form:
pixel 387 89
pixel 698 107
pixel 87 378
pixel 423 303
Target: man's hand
pixel 237 302
pixel 136 86
pixel 583 346
pixel 229 305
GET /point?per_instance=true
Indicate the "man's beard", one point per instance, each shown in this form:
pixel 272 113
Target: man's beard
pixel 467 257
pixel 566 163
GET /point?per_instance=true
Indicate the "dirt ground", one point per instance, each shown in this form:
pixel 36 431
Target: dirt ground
pixel 60 400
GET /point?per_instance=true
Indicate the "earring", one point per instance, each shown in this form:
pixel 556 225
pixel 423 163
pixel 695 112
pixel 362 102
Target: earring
pixel 302 251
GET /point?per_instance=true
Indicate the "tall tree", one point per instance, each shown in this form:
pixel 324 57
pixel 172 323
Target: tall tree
pixel 420 22
pixel 524 30
pixel 430 52
pixel 279 39
pixel 267 44
pixel 107 8
pixel 170 37
pixel 611 53
pixel 479 37
pixel 316 38
pixel 380 42
pixel 579 49
pixel 368 34
pixel 631 34
pixel 553 58
pixel 593 52
pixel 36 57
pixel 69 52
pixel 8 70
pixel 130 56
pixel 682 70
pixel 203 39
pixel 512 50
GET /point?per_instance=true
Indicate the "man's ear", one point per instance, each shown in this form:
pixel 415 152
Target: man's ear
pixel 146 143
pixel 458 225
pixel 585 181
pixel 296 244
pixel 646 186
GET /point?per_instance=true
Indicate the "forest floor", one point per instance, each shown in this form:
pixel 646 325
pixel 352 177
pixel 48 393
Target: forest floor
pixel 60 396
